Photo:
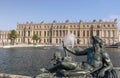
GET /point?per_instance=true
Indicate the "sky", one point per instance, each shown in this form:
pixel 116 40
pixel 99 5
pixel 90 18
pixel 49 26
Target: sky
pixel 21 11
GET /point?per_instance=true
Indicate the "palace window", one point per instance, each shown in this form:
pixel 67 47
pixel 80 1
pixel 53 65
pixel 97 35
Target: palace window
pixel 45 33
pixel 28 33
pixel 104 25
pixel 56 40
pixel 74 32
pixel 104 33
pixel 83 33
pixel 19 33
pixel 33 32
pixel 78 41
pixel 63 32
pixel 98 26
pixel 83 25
pixel 57 26
pixel 97 33
pixel 87 33
pixel 108 33
pixel 78 33
pixel 40 33
pixel 44 40
pixel 59 40
pixel 113 25
pixel 37 32
pixel 87 25
pixel 64 26
pixel 113 33
pixel 56 33
pixel 74 26
pixel 53 33
pixel 60 32
pixel 29 28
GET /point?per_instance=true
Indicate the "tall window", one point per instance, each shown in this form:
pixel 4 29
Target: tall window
pixel 78 33
pixel 56 33
pixel 60 33
pixel 28 33
pixel 56 40
pixel 53 32
pixel 63 32
pixel 40 33
pixel 113 33
pixel 87 33
pixel 59 40
pixel 108 33
pixel 83 33
pixel 78 41
pixel 45 33
pixel 104 33
pixel 75 33
pixel 44 40
pixel 97 33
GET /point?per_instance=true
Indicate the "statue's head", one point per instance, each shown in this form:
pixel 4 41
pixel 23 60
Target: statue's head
pixel 97 40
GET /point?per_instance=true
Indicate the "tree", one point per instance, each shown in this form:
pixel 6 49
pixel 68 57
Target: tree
pixel 12 36
pixel 35 38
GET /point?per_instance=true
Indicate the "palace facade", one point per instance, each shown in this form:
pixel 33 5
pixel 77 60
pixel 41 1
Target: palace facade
pixel 53 33
pixel 4 37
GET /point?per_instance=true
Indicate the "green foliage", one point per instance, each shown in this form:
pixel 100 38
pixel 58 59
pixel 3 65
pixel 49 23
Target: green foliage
pixel 35 37
pixel 12 36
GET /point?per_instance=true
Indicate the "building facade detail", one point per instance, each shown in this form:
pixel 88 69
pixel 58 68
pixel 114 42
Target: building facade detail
pixel 4 38
pixel 52 33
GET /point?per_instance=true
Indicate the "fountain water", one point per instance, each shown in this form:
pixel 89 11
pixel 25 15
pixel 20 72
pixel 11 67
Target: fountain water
pixel 69 40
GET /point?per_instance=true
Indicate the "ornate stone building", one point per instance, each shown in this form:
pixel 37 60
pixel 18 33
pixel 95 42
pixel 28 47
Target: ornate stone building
pixel 4 37
pixel 52 33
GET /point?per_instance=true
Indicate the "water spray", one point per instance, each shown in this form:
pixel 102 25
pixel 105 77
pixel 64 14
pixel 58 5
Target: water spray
pixel 68 40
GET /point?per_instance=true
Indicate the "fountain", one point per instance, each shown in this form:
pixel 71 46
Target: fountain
pixel 97 65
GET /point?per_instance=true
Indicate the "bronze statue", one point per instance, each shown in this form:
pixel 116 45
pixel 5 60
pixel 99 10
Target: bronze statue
pixel 97 65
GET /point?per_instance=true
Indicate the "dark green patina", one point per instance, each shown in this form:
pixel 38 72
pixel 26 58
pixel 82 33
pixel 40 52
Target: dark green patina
pixel 97 65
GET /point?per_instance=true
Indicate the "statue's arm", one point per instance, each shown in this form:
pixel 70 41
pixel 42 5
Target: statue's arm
pixel 107 61
pixel 108 66
pixel 76 52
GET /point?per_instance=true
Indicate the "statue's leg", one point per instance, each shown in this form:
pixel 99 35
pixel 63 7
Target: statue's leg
pixel 63 65
pixel 69 65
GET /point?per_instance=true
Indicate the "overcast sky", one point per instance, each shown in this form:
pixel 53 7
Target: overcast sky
pixel 21 11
